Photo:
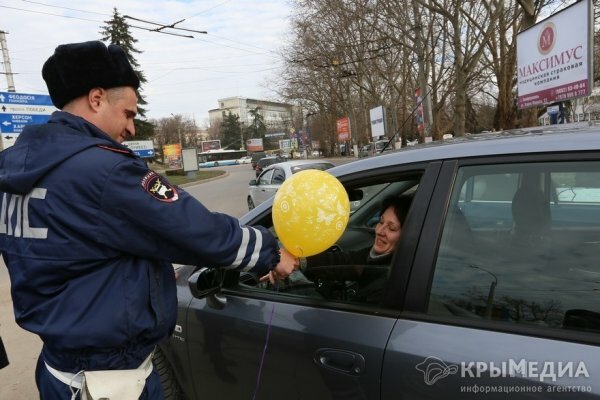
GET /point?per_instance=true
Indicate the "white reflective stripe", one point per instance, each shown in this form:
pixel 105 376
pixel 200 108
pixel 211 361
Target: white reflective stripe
pixel 256 252
pixel 242 249
pixel 68 378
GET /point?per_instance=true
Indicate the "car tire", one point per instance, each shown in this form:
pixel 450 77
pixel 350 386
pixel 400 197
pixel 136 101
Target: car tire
pixel 250 203
pixel 216 164
pixel 171 389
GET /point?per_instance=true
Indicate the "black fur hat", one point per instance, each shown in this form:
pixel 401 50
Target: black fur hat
pixel 76 68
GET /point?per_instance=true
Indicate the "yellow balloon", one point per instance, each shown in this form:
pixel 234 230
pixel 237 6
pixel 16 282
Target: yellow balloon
pixel 310 212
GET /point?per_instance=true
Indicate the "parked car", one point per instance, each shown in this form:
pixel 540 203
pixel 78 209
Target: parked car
pixel 273 176
pixel 265 162
pixel 255 157
pixel 493 287
pixel 245 160
pixel 378 147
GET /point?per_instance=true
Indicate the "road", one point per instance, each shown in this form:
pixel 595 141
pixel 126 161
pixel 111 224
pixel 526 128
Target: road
pixel 17 381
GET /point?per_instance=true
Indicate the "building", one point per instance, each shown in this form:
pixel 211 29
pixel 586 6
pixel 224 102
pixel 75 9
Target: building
pixel 276 116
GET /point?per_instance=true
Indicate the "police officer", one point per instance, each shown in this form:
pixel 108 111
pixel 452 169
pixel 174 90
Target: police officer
pixel 88 232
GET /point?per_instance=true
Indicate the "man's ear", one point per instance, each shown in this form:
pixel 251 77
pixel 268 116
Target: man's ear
pixel 95 98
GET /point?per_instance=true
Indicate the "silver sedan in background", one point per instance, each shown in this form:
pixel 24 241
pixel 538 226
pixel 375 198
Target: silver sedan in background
pixel 269 181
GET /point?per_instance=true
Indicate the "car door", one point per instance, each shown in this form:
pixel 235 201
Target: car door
pixel 502 297
pixel 261 191
pixel 257 341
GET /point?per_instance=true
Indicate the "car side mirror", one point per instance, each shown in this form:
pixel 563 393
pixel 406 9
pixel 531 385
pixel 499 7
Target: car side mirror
pixel 253 182
pixel 204 282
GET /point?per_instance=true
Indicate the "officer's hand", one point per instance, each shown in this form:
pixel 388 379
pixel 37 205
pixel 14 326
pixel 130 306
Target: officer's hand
pixel 288 263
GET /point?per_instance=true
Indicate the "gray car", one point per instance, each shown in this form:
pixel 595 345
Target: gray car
pixel 492 292
pixel 269 181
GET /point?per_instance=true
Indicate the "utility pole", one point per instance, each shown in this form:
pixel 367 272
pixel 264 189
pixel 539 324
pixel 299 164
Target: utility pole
pixel 7 69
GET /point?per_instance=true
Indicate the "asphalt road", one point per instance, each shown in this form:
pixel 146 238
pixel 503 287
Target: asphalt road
pixel 17 381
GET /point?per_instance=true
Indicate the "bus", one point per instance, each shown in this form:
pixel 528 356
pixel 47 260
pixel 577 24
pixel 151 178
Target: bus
pixel 220 157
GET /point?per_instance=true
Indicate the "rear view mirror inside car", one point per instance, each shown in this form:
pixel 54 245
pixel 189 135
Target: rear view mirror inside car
pixel 354 194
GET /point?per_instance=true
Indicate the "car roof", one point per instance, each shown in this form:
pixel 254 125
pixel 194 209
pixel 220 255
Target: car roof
pixel 294 163
pixel 541 139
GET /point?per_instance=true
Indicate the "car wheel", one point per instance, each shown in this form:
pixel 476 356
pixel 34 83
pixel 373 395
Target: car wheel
pixel 216 164
pixel 250 203
pixel 171 389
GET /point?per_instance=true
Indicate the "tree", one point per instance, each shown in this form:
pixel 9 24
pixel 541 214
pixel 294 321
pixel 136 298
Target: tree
pixel 116 31
pixel 257 128
pixel 231 132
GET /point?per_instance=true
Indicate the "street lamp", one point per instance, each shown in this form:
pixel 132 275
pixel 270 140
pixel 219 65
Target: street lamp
pixel 490 299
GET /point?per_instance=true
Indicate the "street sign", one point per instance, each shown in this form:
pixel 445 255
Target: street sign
pixel 25 109
pixel 14 123
pixel 25 99
pixel 142 148
pixel 17 110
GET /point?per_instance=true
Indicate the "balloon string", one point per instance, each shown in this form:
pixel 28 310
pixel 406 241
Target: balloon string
pixel 262 358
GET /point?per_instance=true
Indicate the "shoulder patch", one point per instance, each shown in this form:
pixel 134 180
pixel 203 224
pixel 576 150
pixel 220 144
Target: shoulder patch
pixel 159 188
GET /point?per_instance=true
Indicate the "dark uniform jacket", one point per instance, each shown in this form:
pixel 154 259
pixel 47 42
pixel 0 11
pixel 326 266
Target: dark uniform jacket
pixel 88 233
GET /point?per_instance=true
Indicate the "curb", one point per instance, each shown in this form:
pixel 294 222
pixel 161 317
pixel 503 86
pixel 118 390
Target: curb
pixel 214 178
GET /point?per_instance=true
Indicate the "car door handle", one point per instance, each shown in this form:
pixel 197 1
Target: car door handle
pixel 346 362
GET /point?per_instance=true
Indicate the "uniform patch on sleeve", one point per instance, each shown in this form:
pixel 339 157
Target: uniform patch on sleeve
pixel 158 188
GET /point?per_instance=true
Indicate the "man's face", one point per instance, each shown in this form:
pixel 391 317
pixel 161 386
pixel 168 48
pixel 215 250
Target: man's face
pixel 117 113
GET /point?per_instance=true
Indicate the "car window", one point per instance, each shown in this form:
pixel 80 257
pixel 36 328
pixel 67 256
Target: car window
pixel 265 177
pixel 520 245
pixel 278 176
pixel 348 272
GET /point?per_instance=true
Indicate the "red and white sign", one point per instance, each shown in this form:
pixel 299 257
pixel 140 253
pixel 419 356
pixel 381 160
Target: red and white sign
pixel 554 61
pixel 254 145
pixel 343 129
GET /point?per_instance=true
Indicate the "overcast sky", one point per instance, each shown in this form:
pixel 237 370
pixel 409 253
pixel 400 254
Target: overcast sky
pixel 238 57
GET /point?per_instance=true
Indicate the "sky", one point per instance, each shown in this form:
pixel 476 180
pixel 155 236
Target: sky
pixel 239 55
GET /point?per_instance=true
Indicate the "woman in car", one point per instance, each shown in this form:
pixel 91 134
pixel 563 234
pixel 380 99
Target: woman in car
pixel 394 210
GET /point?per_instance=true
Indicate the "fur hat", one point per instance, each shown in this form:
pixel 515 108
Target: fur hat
pixel 76 68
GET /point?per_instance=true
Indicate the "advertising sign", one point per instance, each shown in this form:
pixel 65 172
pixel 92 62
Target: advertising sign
pixel 190 159
pixel 142 148
pixel 343 129
pixel 377 122
pixel 172 154
pixel 420 114
pixel 254 145
pixel 210 145
pixel 554 57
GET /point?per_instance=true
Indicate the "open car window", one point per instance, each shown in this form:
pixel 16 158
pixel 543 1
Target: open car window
pixel 346 272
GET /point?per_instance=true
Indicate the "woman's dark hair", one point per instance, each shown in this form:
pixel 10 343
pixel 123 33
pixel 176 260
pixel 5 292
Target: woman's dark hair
pixel 400 204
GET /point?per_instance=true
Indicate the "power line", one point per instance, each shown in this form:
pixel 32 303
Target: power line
pixel 65 8
pixel 54 15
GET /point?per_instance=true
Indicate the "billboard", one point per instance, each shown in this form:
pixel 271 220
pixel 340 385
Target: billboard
pixel 210 145
pixel 343 129
pixel 554 57
pixel 172 154
pixel 254 145
pixel 377 122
